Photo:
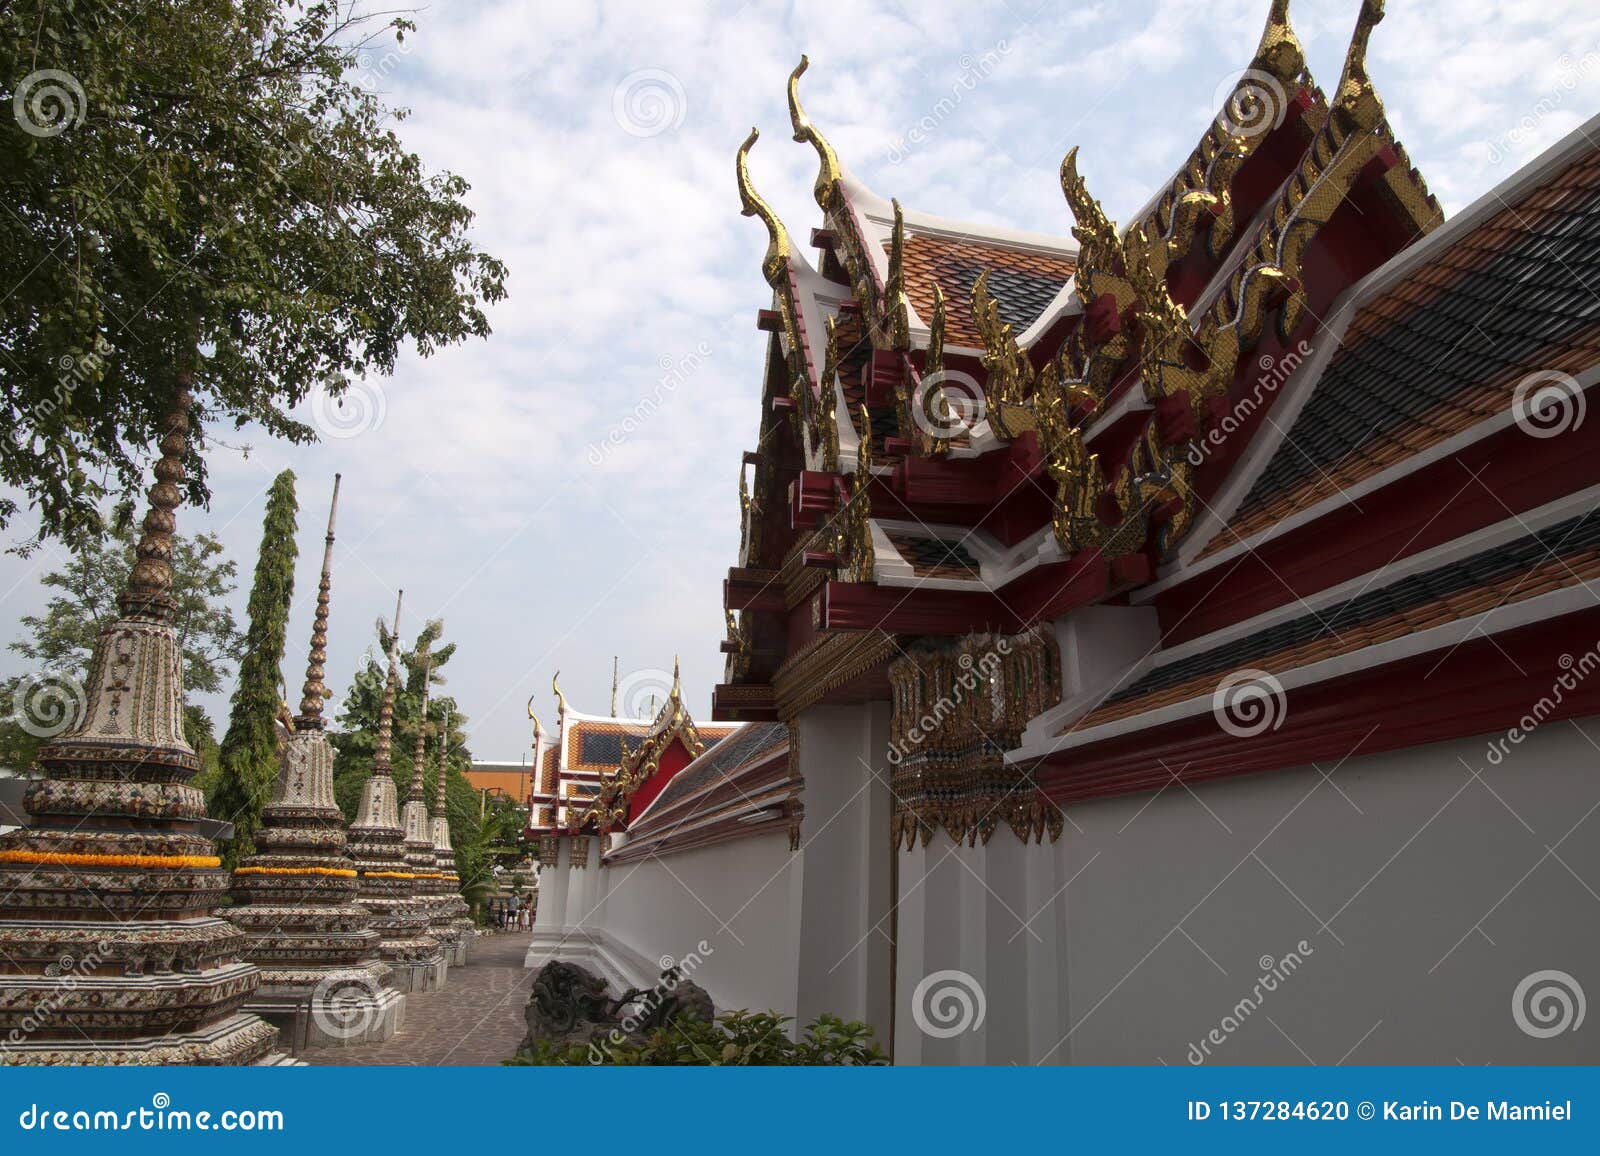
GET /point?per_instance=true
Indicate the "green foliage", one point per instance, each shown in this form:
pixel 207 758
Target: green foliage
pixel 249 755
pixel 60 641
pixel 219 184
pixel 740 1038
pixel 494 841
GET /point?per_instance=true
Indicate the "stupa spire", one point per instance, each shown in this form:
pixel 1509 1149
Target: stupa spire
pixel 315 693
pixel 148 595
pixel 381 755
pixel 418 752
pixel 444 766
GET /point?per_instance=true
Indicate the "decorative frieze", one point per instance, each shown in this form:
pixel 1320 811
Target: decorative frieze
pixel 957 705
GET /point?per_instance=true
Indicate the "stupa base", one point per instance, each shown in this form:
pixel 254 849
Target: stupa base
pixel 240 1038
pixel 412 976
pixel 354 1014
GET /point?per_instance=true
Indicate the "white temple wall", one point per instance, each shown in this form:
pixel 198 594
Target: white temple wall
pixel 1158 919
pixel 736 898
pixel 846 925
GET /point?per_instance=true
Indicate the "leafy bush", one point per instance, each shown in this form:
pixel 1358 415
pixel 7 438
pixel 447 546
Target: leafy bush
pixel 755 1039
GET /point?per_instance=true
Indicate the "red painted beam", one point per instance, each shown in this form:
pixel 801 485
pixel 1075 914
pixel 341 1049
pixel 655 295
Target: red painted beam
pixel 1507 473
pixel 769 321
pixel 1484 687
pixel 747 588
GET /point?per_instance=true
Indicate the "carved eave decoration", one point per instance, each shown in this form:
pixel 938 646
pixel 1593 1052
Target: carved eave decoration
pixel 1254 108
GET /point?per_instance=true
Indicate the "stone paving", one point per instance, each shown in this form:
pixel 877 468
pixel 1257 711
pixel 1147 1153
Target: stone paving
pixel 476 1019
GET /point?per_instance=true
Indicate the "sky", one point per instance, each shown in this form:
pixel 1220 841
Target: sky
pixel 508 485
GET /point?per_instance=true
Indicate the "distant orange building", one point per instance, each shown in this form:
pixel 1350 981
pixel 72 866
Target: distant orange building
pixel 512 779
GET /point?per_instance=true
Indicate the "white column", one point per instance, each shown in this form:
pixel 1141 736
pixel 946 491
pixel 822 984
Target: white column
pixel 846 926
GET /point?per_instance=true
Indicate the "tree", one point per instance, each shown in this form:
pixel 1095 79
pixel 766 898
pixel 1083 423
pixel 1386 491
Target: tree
pixel 249 755
pixel 213 186
pixel 59 642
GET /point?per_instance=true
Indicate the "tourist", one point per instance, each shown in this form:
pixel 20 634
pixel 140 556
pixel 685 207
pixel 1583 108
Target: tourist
pixel 515 903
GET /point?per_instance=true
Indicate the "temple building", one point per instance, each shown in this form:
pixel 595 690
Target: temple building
pixel 111 951
pixel 322 982
pixel 1117 616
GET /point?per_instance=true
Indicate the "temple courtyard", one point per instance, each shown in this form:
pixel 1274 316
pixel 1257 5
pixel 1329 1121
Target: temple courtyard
pixel 476 1018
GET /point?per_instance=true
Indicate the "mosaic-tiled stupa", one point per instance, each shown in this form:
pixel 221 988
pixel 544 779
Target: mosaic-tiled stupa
pixel 428 884
pixel 322 982
pixel 377 845
pixel 450 882
pixel 109 951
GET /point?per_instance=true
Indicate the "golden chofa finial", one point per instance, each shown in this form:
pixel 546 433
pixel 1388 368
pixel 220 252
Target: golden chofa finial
pixel 561 699
pixel 1093 226
pixel 537 726
pixel 826 188
pixel 774 266
pixel 1280 51
pixel 1356 100
pixel 896 306
pixel 677 681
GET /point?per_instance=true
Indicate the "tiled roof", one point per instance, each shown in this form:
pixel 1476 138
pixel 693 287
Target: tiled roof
pixel 595 745
pixel 748 743
pixel 935 557
pixel 1561 555
pixel 1444 349
pixel 1024 282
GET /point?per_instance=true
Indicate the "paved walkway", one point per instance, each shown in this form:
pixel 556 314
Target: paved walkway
pixel 475 1019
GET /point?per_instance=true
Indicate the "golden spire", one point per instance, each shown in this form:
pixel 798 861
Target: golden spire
pixel 896 306
pixel 1355 96
pixel 561 699
pixel 380 756
pixel 537 729
pixel 419 751
pixel 444 766
pixel 150 582
pixel 776 262
pixel 315 693
pixel 825 189
pixel 677 681
pixel 613 686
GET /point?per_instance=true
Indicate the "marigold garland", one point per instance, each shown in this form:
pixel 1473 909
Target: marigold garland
pixel 81 859
pixel 339 871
